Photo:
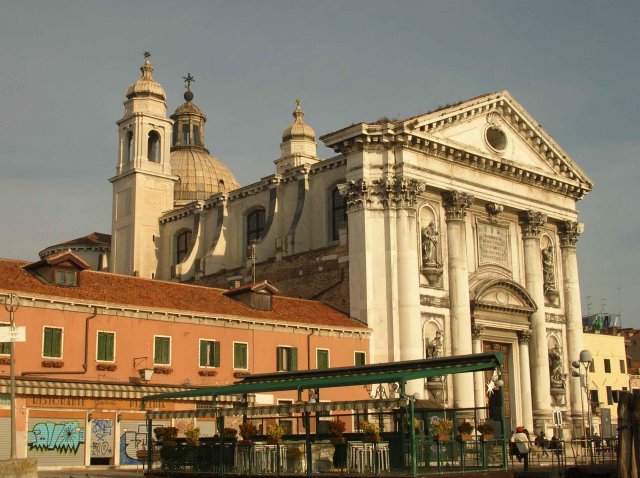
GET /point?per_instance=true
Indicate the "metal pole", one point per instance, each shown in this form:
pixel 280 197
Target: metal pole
pixel 589 415
pixel 11 304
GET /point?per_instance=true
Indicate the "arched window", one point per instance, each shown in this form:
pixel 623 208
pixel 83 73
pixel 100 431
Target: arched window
pixel 153 147
pixel 186 135
pixel 128 147
pixel 183 245
pixel 255 226
pixel 196 135
pixel 338 213
pixel 221 185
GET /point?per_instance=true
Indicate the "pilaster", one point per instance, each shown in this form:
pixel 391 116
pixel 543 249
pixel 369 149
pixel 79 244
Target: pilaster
pixel 524 336
pixel 478 377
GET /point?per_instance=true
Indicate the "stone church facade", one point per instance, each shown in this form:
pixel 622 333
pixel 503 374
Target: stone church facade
pixel 448 233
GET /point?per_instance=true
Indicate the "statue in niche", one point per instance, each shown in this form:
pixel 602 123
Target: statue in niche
pixel 434 347
pixel 429 243
pixel 547 269
pixel 558 377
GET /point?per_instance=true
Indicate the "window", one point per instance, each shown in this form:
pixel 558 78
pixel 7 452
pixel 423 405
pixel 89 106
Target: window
pixel 607 366
pixel 196 135
pixel 183 244
pixel 615 394
pixel 557 417
pixel 128 148
pixel 287 359
pixel 360 358
pixel 255 226
pixel 153 147
pixel 338 213
pixel 209 353
pixel 174 139
pixel 162 350
pixel 592 366
pixel 322 359
pixel 66 278
pixel 240 356
pixel 609 396
pixel 186 138
pixel 622 367
pixel 5 347
pixel 106 346
pixel 595 399
pixel 52 342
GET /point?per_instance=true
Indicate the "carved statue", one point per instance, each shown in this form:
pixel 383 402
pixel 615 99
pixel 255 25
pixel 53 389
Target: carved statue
pixel 429 243
pixel 434 347
pixel 547 269
pixel 558 377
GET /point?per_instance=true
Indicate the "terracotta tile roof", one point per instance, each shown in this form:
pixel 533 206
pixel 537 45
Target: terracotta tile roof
pixel 58 258
pixel 119 290
pixel 93 239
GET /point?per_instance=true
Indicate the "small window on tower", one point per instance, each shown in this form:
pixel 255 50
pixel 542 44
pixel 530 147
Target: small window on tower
pixel 196 135
pixel 153 147
pixel 174 139
pixel 128 148
pixel 186 135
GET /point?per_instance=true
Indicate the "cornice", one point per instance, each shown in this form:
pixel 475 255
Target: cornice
pixel 187 210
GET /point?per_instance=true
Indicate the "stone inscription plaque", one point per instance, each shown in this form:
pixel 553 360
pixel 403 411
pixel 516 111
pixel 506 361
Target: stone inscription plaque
pixel 493 245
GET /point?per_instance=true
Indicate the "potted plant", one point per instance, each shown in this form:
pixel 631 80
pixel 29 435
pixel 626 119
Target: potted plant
pixel 247 432
pixel 465 429
pixel 337 429
pixel 193 434
pixel 370 430
pixel 442 429
pixel 274 433
pixel 486 429
pixel 230 434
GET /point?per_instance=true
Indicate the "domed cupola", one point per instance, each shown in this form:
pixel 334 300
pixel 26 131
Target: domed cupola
pixel 298 143
pixel 146 86
pixel 201 175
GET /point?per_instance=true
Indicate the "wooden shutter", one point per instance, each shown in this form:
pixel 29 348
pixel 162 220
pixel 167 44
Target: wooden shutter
pixel 216 354
pixel 203 353
pixel 109 342
pixel 294 358
pixel 46 347
pixel 279 354
pixel 102 338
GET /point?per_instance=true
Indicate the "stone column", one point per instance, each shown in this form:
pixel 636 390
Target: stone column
pixel 455 204
pixel 569 231
pixel 478 377
pixel 408 273
pixel 531 223
pixel 525 379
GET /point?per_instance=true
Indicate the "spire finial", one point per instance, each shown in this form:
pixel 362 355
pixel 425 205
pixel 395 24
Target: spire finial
pixel 298 101
pixel 188 95
pixel 146 68
pixel 298 114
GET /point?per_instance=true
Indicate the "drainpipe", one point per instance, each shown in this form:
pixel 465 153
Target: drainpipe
pixel 86 353
pixel 309 349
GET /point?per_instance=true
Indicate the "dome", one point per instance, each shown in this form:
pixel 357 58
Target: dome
pixel 146 85
pixel 188 108
pixel 298 129
pixel 201 175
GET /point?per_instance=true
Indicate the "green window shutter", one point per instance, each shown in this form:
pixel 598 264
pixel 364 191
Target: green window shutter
pixel 203 353
pixel 216 354
pixel 56 345
pixel 46 347
pixel 294 358
pixel 110 343
pixel 360 358
pixel 240 356
pixel 322 359
pixel 162 352
pixel 279 358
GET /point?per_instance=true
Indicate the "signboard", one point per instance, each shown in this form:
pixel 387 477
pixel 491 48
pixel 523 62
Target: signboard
pixel 13 334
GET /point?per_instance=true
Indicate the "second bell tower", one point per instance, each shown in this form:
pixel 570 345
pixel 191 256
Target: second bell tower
pixel 143 184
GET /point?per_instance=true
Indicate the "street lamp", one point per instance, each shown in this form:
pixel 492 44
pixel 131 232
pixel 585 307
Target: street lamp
pixel 581 367
pixel 11 304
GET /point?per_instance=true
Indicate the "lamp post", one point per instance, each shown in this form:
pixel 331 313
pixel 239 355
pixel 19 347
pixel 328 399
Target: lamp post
pixel 581 371
pixel 11 304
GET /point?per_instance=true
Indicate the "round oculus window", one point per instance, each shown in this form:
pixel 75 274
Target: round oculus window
pixel 496 138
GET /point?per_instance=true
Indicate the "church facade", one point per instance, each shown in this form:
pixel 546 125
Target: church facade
pixel 449 233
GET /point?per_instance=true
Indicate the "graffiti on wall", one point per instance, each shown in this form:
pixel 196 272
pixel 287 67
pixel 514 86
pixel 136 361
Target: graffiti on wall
pixel 62 437
pixel 130 442
pixel 101 438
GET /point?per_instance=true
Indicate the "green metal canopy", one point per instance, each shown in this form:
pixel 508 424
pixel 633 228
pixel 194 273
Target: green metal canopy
pixel 345 376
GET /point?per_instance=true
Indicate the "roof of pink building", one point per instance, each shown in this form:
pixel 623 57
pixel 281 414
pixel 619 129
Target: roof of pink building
pixel 127 291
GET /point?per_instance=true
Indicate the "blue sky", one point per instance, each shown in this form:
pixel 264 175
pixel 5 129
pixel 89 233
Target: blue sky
pixel 65 65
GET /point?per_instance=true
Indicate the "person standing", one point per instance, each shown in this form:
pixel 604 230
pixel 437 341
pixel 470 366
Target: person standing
pixel 521 440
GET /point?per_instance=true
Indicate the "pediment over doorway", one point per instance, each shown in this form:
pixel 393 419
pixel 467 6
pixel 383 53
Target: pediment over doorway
pixel 502 295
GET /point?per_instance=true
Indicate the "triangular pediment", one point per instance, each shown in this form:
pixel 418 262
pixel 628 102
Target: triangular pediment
pixel 496 126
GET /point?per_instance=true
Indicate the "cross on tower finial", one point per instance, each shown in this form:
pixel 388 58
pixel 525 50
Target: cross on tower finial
pixel 188 80
pixel 298 101
pixel 147 54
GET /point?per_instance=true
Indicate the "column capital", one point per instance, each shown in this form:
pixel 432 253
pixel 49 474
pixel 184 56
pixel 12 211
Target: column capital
pixel 397 191
pixel 356 193
pixel 455 204
pixel 531 223
pixel 476 331
pixel 569 232
pixel 524 336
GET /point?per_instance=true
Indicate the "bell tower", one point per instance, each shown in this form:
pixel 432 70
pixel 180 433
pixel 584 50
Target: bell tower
pixel 143 184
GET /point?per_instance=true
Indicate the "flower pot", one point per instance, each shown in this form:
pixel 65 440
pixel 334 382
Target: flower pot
pixel 466 436
pixel 274 441
pixel 487 436
pixel 371 438
pixel 443 437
